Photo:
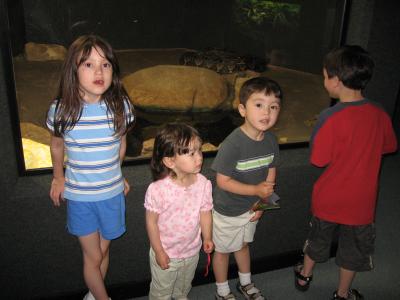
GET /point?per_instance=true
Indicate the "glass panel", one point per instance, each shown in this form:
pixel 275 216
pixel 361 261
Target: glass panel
pixel 181 60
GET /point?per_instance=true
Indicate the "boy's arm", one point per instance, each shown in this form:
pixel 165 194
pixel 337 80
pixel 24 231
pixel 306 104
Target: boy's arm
pixel 206 230
pixel 122 151
pixel 262 190
pixel 155 241
pixel 390 142
pixel 271 177
pixel 57 158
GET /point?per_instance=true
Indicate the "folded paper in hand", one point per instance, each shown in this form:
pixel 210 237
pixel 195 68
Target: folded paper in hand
pixel 266 204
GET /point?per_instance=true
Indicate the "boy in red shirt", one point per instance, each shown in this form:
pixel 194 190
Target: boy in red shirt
pixel 349 140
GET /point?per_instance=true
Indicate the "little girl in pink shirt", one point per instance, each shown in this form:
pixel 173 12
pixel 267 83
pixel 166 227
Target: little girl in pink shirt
pixel 178 211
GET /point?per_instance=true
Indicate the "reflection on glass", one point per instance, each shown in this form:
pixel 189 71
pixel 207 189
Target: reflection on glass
pixel 181 61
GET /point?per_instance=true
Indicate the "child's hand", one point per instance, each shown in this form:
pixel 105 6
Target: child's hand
pixel 162 260
pixel 257 215
pixel 208 246
pixel 264 189
pixel 57 190
pixel 127 187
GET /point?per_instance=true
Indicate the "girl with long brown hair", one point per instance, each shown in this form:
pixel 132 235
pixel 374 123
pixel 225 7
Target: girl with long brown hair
pixel 89 121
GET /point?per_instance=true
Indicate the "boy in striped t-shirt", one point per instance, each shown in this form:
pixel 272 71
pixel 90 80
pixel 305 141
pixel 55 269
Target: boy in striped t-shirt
pixel 245 166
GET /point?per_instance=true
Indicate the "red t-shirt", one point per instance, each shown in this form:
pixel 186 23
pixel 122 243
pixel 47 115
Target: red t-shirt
pixel 349 139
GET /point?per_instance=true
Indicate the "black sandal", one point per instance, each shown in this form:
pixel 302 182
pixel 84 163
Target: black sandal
pixel 353 294
pixel 298 276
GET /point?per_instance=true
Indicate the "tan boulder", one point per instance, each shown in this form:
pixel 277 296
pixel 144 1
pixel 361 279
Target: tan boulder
pixel 147 149
pixel 35 133
pixel 208 147
pixel 176 88
pixel 149 144
pixel 44 52
pixel 36 155
pixel 36 146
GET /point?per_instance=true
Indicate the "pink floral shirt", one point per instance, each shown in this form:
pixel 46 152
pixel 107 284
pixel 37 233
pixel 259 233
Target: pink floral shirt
pixel 179 213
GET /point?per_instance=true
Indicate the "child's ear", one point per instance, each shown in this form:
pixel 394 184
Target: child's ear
pixel 168 162
pixel 336 81
pixel 242 110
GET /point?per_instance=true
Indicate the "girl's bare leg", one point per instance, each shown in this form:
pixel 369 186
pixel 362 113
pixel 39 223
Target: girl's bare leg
pixel 93 266
pixel 105 250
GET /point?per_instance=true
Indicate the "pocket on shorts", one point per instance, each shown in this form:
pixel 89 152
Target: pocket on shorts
pixel 313 228
pixel 366 238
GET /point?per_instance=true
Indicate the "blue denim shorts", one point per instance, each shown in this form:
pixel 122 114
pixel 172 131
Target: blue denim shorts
pixel 106 216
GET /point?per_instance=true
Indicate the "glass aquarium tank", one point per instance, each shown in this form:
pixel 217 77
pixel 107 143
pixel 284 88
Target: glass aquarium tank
pixel 181 60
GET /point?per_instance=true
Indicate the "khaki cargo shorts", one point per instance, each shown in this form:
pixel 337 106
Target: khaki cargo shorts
pixel 231 233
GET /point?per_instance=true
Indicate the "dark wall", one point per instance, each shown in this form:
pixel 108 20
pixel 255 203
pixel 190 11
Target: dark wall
pixel 17 25
pixel 8 108
pixel 127 24
pixel 375 26
pixel 384 45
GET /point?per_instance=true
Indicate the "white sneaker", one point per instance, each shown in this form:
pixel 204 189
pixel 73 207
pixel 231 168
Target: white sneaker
pixel 89 296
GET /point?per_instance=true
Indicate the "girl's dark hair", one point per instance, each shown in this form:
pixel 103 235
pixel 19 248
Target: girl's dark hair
pixel 259 85
pixel 172 139
pixel 351 64
pixel 69 101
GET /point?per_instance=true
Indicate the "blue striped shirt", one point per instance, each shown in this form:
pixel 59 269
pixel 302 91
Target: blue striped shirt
pixel 92 166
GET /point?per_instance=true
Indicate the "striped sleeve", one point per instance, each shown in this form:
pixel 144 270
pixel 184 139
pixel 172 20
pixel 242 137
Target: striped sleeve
pixel 50 117
pixel 129 111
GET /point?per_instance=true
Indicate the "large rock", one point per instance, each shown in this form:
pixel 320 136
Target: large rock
pixel 148 146
pixel 35 133
pixel 176 88
pixel 44 52
pixel 36 146
pixel 36 155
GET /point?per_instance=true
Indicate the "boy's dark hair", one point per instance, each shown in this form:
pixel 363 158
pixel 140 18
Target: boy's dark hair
pixel 351 64
pixel 172 139
pixel 259 85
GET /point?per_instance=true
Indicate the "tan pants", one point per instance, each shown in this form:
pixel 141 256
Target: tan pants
pixel 176 281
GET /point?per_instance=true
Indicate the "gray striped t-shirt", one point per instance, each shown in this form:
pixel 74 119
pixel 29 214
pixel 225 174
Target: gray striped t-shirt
pixel 246 161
